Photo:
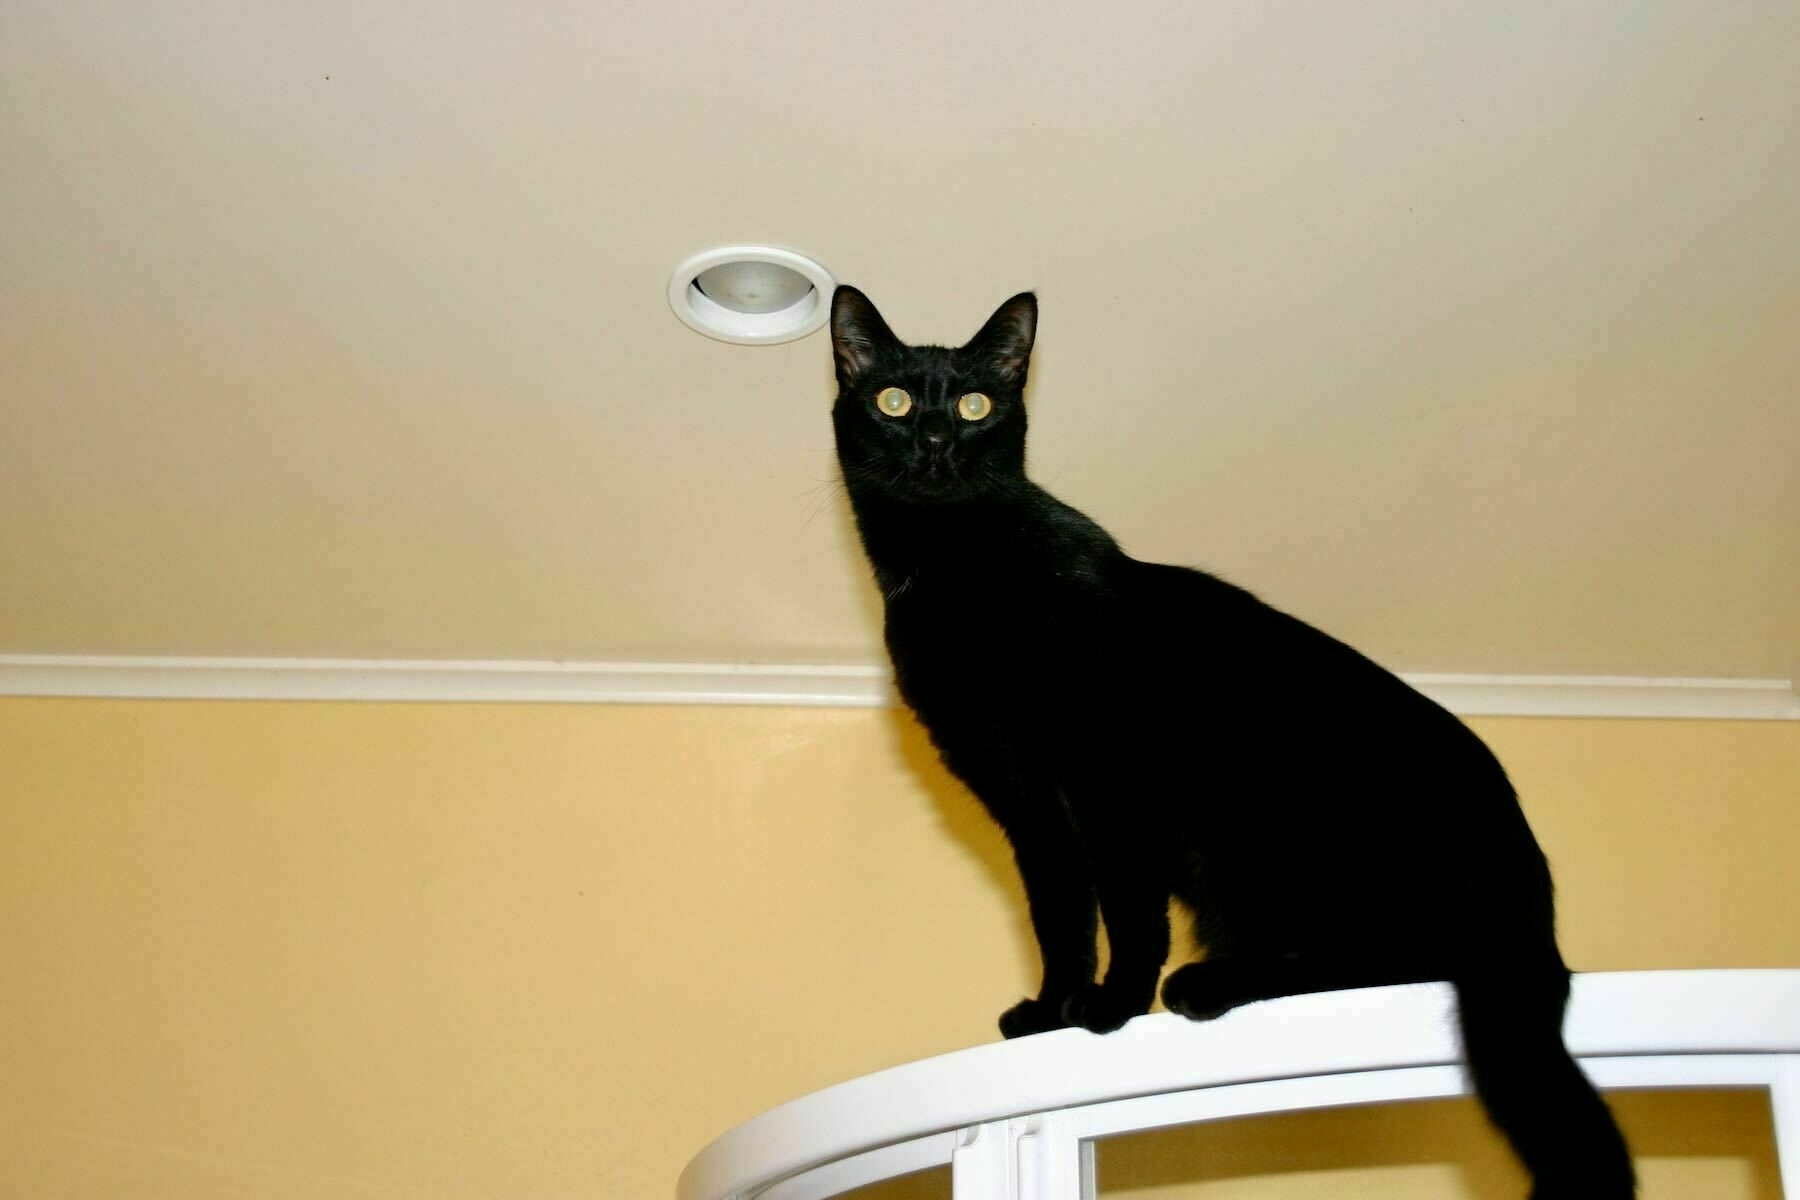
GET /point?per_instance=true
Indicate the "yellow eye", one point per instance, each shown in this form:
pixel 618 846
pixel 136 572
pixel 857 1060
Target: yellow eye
pixel 974 406
pixel 894 402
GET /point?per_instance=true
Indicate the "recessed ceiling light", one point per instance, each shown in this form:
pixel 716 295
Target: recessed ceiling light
pixel 753 295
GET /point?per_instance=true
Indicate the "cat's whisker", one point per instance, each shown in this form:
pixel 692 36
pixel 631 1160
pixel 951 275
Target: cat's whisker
pixel 823 497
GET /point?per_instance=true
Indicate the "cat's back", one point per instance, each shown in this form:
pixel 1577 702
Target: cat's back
pixel 1207 653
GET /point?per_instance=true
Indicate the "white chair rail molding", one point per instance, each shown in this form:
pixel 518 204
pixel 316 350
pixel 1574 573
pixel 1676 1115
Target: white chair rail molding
pixel 1017 1120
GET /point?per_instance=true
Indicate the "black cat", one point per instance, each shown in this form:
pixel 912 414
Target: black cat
pixel 1134 730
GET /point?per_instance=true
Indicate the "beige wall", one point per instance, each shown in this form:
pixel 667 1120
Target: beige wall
pixel 311 950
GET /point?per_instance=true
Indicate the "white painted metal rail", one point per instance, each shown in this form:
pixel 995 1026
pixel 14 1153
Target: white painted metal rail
pixel 1015 1120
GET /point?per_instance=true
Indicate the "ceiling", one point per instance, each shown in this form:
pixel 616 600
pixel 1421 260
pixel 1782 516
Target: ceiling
pixel 1470 332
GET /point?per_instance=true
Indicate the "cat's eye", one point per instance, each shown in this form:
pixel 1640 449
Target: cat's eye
pixel 893 401
pixel 974 406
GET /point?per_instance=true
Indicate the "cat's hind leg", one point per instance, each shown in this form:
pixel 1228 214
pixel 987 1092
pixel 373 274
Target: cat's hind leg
pixel 1212 987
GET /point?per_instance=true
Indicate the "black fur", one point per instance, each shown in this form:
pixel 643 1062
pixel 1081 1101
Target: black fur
pixel 1121 721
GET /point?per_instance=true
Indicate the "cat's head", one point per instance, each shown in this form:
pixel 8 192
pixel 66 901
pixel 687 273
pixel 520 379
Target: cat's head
pixel 927 423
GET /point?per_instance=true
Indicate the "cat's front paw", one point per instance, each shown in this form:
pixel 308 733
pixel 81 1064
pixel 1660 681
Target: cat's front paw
pixel 1201 991
pixel 1031 1016
pixel 1100 1009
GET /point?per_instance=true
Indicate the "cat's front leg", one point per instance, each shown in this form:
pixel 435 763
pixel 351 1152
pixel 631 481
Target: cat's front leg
pixel 1053 866
pixel 1135 907
pixel 1063 915
pixel 1031 1015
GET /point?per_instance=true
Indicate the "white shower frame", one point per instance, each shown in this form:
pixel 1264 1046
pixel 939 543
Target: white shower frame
pixel 1018 1120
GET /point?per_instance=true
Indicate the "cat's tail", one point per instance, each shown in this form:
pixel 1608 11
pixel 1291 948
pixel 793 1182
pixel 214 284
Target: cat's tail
pixel 1531 1088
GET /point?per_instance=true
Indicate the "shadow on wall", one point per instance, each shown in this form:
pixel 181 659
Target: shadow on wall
pixel 1715 1143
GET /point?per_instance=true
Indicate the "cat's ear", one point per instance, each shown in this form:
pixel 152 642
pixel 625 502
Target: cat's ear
pixel 858 334
pixel 1004 343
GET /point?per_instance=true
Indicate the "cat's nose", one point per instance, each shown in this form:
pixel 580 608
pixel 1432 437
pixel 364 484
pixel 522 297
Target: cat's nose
pixel 935 432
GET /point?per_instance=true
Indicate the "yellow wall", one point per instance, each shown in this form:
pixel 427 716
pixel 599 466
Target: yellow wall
pixel 314 950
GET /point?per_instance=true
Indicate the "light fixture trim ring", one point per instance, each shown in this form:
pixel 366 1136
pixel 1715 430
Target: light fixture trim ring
pixel 703 314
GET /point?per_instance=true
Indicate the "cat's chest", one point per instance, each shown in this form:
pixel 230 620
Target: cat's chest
pixel 999 612
pixel 976 643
